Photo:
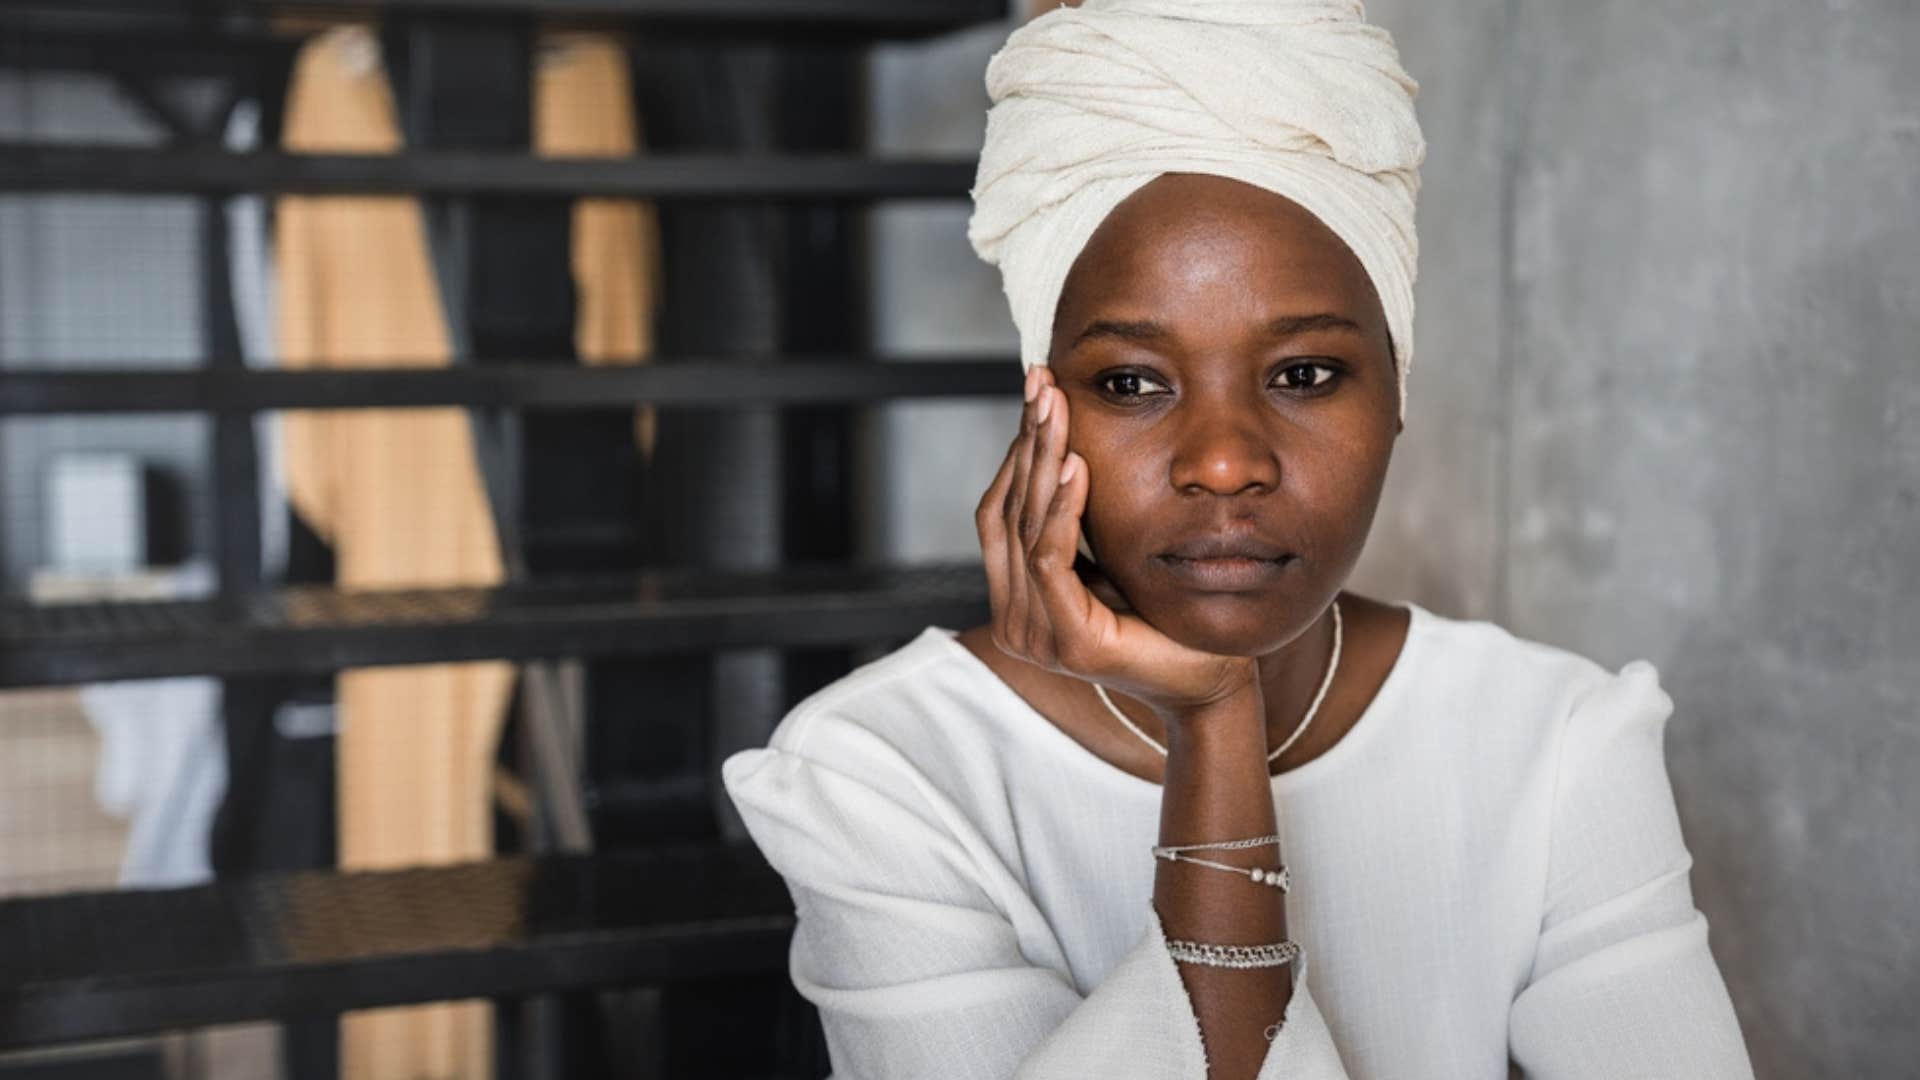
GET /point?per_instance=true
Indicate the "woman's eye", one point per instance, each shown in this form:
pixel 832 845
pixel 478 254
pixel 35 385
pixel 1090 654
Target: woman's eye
pixel 1308 376
pixel 1131 384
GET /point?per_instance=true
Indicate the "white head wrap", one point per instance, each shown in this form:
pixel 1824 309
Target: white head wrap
pixel 1300 97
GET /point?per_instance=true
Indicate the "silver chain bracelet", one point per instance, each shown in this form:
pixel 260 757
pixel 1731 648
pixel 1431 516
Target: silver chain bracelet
pixel 1234 956
pixel 1223 845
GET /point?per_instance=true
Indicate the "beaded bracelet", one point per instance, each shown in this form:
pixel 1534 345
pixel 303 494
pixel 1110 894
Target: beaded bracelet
pixel 1234 956
pixel 1276 878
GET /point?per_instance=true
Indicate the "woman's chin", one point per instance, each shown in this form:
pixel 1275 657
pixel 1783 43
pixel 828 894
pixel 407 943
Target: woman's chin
pixel 1238 630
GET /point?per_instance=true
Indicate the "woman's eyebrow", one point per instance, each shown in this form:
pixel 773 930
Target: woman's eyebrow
pixel 1140 330
pixel 1146 330
pixel 1288 325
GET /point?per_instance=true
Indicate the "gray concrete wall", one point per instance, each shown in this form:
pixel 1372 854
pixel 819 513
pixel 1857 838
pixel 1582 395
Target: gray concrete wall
pixel 1667 406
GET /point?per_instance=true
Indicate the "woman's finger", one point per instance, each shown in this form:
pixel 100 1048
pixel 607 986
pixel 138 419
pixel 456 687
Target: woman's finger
pixel 1043 469
pixel 1015 505
pixel 1043 481
pixel 990 522
pixel 1083 629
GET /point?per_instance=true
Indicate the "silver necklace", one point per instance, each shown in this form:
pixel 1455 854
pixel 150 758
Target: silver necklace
pixel 1333 665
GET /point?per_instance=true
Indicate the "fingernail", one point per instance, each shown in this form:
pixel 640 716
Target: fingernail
pixel 1070 469
pixel 1033 382
pixel 1046 405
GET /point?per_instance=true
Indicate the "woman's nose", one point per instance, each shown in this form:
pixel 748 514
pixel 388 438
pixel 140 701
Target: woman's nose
pixel 1224 452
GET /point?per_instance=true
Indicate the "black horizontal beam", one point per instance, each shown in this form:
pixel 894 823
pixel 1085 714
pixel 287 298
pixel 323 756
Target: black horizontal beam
pixel 125 170
pixel 873 17
pixel 165 51
pixel 110 964
pixel 677 382
pixel 311 629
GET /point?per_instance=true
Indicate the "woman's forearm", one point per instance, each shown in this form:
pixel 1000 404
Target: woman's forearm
pixel 1217 788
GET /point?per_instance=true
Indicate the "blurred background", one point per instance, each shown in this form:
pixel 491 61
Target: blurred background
pixel 435 433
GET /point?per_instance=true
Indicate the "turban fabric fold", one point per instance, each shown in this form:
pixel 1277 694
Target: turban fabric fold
pixel 1303 98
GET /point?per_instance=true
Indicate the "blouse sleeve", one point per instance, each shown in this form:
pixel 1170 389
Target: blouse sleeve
pixel 1622 982
pixel 918 972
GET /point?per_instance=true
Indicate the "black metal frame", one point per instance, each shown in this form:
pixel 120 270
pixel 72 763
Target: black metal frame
pixel 162 51
pixel 866 18
pixel 674 382
pixel 314 629
pixel 30 167
pixel 111 964
pixel 92 965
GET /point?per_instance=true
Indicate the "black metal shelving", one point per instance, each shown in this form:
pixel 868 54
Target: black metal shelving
pixel 315 943
pixel 671 382
pixel 860 19
pixel 159 51
pixel 112 964
pixel 314 629
pixel 30 167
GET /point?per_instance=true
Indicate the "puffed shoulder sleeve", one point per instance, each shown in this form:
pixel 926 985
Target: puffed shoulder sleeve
pixel 1622 982
pixel 904 944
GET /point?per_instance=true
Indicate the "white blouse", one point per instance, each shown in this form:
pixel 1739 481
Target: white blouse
pixel 1488 867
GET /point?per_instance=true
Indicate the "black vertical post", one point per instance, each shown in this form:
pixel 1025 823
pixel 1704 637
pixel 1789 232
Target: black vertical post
pixel 270 816
pixel 716 486
pixel 824 301
pixel 823 294
pixel 235 457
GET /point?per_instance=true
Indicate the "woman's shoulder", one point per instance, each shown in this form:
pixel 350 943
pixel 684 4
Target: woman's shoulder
pixel 1479 667
pixel 929 689
pixel 1482 644
pixel 880 776
pixel 927 719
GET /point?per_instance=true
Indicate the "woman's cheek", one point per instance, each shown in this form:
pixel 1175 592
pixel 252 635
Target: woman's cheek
pixel 1113 485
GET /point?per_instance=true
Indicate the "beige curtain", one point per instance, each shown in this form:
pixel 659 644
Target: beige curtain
pixel 398 493
pixel 583 107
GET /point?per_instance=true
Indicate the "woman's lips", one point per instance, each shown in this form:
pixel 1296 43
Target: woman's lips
pixel 1226 544
pixel 1226 574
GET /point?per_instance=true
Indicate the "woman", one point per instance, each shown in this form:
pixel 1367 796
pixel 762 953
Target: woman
pixel 1183 808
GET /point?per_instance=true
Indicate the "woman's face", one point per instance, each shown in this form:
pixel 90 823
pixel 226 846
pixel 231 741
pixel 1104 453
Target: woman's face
pixel 1230 383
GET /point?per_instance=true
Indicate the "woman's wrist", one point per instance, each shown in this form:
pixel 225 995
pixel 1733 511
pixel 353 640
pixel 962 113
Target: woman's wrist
pixel 1230 725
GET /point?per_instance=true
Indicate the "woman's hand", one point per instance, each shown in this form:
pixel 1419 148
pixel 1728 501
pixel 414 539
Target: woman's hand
pixel 1029 524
